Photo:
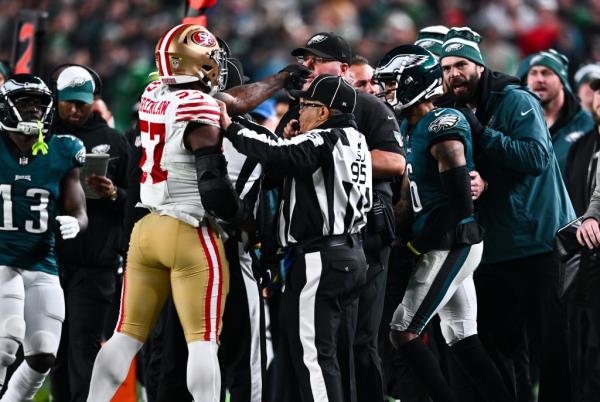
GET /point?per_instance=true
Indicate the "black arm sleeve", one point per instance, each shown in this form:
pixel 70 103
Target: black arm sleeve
pixel 457 184
pixel 216 192
pixel 444 229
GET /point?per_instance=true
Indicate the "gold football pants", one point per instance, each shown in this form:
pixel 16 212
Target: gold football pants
pixel 166 254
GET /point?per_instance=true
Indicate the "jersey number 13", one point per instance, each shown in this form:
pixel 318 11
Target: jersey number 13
pixel 40 208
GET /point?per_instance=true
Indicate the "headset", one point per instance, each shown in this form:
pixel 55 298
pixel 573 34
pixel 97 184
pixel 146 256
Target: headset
pixel 58 69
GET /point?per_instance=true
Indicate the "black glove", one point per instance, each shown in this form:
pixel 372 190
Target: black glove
pixel 476 127
pixel 297 76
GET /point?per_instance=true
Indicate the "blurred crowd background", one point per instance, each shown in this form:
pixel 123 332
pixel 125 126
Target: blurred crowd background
pixel 117 37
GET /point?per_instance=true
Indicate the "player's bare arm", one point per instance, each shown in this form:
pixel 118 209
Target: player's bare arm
pixel 403 208
pixel 244 98
pixel 449 154
pixel 201 136
pixel 387 164
pixel 73 198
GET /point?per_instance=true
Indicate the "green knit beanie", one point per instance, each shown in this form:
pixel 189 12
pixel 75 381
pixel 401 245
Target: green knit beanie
pixel 432 38
pixel 555 61
pixel 462 42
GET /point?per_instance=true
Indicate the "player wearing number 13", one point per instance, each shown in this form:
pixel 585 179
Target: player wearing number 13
pixel 39 179
pixel 446 237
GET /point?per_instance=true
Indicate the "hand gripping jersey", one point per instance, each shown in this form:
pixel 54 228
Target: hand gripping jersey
pixel 29 195
pixel 168 183
pixel 426 189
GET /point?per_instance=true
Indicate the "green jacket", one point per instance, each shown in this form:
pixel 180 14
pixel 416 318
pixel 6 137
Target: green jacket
pixel 526 201
pixel 578 124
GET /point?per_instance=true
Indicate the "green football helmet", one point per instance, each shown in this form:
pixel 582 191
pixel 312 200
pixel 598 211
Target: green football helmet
pixel 408 74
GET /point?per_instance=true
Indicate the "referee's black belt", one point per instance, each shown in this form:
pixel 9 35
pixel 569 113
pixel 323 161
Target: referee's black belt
pixel 327 242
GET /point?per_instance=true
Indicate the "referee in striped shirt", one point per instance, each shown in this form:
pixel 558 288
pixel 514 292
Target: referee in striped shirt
pixel 326 194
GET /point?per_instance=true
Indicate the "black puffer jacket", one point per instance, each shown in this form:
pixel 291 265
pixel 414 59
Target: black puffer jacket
pixel 100 245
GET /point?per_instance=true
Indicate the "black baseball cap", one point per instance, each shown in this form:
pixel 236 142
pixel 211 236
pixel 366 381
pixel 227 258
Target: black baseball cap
pixel 332 91
pixel 595 84
pixel 327 45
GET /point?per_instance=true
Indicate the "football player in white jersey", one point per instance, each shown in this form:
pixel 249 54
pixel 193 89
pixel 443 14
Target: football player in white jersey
pixel 177 247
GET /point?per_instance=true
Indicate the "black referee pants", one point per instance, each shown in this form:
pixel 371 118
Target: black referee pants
pixel 318 320
pixel 368 364
pixel 242 354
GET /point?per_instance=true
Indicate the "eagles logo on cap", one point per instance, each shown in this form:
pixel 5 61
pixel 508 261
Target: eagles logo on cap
pixel 77 82
pixel 426 43
pixel 453 47
pixel 203 38
pixel 316 39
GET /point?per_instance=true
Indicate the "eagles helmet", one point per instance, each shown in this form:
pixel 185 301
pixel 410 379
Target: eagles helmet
pixel 25 100
pixel 190 53
pixel 407 74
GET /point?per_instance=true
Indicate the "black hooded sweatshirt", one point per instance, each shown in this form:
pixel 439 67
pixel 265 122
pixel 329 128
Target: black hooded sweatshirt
pixel 100 245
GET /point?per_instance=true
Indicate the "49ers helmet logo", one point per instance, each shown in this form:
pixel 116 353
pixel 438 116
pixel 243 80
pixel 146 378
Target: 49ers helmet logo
pixel 203 38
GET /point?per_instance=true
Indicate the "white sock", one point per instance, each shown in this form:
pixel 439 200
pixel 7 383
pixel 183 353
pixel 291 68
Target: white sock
pixel 203 372
pixel 111 366
pixel 23 384
pixel 2 376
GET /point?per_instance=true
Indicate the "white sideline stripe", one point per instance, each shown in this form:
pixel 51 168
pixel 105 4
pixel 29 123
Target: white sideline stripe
pixel 252 294
pixel 314 266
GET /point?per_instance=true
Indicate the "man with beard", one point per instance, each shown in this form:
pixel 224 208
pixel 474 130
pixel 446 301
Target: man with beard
pixel 524 205
pixel 546 76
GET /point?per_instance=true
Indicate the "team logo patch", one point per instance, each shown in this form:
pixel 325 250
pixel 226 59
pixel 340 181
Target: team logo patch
pixel 453 47
pixel 203 38
pixel 443 123
pixel 316 39
pixel 76 82
pixel 80 155
pixel 100 149
pixel 574 136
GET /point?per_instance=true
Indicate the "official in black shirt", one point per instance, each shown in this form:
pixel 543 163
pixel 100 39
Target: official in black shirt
pixel 325 198
pixel 327 53
pixel 89 262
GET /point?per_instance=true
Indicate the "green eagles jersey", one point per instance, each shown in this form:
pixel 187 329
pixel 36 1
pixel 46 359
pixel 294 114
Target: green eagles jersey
pixel 29 195
pixel 426 189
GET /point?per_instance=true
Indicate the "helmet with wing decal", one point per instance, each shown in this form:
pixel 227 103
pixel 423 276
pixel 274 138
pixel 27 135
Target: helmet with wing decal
pixel 408 74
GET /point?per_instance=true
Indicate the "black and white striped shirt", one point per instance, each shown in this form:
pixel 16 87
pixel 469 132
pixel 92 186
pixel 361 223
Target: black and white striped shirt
pixel 244 172
pixel 328 181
